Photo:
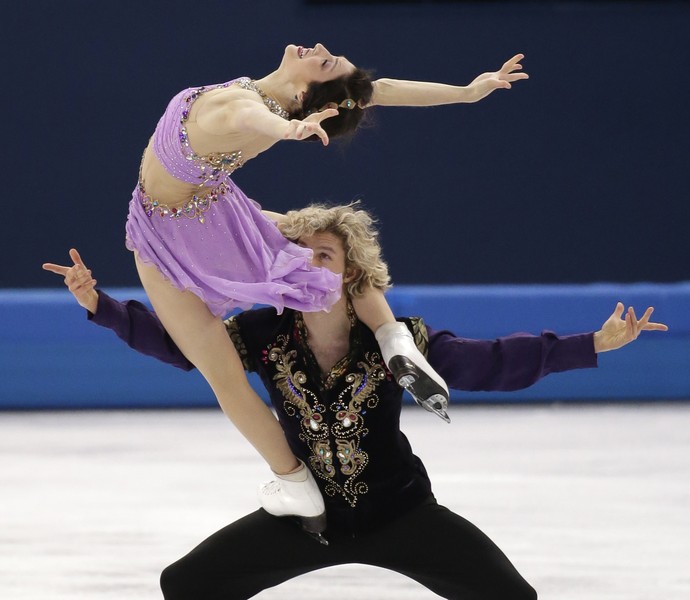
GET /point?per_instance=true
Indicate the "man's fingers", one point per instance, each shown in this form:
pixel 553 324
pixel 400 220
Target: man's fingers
pixel 73 280
pixel 74 255
pixel 647 313
pixel 645 318
pixel 645 325
pixel 78 274
pixel 53 268
pixel 633 322
pixel 628 322
pixel 82 286
pixel 62 269
pixel 618 311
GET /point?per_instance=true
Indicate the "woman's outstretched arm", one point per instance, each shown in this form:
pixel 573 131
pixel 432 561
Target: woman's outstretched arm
pixel 399 92
pixel 252 117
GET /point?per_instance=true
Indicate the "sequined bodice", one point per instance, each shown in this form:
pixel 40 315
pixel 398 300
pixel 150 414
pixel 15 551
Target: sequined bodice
pixel 171 140
pixel 173 150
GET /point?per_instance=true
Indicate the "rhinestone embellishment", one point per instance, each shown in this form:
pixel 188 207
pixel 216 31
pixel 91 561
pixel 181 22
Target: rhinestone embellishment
pixel 214 168
pixel 273 106
pixel 192 209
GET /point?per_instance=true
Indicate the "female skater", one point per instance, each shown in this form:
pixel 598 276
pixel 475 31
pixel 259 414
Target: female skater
pixel 203 248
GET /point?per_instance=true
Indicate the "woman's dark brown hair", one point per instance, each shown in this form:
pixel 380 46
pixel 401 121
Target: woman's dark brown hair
pixel 357 86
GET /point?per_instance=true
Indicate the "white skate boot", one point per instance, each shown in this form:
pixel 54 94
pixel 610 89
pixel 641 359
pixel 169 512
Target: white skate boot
pixel 296 495
pixel 411 370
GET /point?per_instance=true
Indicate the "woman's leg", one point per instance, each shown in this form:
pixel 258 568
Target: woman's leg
pixel 409 367
pixel 204 341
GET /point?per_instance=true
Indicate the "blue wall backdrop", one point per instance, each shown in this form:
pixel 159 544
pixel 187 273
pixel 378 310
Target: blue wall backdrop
pixel 578 175
pixel 61 361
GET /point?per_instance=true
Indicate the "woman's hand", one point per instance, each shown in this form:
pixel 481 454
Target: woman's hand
pixel 486 83
pixel 78 280
pixel 311 125
pixel 616 332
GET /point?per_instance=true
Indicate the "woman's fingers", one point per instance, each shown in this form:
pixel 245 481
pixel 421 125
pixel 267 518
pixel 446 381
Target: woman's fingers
pixel 300 130
pixel 513 64
pixel 324 114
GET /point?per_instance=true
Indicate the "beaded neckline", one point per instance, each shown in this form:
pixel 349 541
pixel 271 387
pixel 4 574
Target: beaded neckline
pixel 329 379
pixel 273 105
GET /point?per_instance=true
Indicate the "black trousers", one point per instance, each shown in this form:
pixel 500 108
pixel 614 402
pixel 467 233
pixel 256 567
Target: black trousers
pixel 430 544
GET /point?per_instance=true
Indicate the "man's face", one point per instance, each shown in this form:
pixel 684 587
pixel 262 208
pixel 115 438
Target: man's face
pixel 328 251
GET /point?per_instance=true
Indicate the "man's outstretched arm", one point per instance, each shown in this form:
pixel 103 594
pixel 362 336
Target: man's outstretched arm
pixel 517 361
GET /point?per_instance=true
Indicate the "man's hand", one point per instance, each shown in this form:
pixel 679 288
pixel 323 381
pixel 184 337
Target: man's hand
pixel 616 332
pixel 78 280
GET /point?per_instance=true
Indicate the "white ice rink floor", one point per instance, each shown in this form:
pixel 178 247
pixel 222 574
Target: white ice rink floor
pixel 589 502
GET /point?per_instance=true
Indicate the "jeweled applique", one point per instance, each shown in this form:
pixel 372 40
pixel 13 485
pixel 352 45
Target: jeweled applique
pixel 333 435
pixel 299 400
pixel 192 209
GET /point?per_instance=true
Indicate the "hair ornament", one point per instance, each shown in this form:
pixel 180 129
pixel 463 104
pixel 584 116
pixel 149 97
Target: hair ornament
pixel 348 103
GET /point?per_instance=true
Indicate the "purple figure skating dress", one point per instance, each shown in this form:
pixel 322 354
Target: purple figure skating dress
pixel 219 245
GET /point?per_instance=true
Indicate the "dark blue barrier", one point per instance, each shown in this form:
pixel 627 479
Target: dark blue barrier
pixel 51 357
pixel 577 175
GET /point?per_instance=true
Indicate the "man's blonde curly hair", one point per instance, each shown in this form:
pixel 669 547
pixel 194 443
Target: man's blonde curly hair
pixel 355 228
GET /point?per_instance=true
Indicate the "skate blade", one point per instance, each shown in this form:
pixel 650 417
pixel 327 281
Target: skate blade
pixel 423 389
pixel 437 408
pixel 437 404
pixel 313 527
pixel 313 524
pixel 318 537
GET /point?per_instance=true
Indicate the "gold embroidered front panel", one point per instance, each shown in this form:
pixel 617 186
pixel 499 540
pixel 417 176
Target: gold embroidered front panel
pixel 420 334
pixel 333 433
pixel 235 335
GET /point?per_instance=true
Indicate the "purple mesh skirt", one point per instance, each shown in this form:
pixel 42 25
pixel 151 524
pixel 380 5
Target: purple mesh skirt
pixel 228 253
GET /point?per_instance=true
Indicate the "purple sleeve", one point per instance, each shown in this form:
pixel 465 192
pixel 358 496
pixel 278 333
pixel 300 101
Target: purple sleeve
pixel 508 363
pixel 139 328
